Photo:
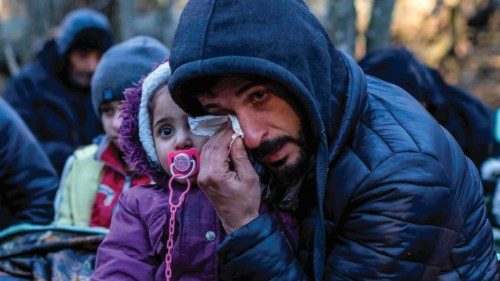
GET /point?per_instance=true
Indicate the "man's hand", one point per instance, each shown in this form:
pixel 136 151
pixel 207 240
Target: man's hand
pixel 235 194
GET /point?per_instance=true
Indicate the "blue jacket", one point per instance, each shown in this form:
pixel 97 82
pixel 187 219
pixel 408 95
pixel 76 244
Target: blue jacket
pixel 28 182
pixel 59 115
pixel 465 117
pixel 395 197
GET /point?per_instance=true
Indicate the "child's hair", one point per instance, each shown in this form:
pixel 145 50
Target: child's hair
pixel 135 134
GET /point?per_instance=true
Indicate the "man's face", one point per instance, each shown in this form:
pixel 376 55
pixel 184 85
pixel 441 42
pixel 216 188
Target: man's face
pixel 111 119
pixel 82 65
pixel 272 128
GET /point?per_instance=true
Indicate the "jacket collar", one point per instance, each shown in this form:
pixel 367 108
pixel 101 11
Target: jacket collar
pixel 110 155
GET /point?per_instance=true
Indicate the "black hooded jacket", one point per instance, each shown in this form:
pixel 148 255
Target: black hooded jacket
pixel 59 115
pixel 28 182
pixel 395 197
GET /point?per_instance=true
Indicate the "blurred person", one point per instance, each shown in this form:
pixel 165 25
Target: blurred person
pixel 464 116
pixel 378 189
pixel 28 182
pixel 95 175
pixel 52 94
pixel 490 172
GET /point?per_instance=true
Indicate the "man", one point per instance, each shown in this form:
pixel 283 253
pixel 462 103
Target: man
pixel 465 117
pixel 28 181
pixel 96 175
pixel 52 93
pixel 379 190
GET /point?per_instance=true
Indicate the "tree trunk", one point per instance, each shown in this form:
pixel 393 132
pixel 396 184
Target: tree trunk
pixel 126 16
pixel 378 35
pixel 40 18
pixel 341 24
pixel 168 22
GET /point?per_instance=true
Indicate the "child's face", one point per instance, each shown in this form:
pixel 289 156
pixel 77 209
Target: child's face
pixel 111 119
pixel 170 128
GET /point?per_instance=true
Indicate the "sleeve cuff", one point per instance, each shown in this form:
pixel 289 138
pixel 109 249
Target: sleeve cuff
pixel 246 237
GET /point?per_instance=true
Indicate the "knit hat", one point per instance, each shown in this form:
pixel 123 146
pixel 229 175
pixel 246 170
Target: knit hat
pixel 123 65
pixel 84 28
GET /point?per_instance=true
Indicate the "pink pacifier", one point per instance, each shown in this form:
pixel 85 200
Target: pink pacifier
pixel 183 164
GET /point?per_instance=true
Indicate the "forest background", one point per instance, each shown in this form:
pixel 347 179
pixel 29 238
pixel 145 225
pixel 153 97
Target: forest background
pixel 460 38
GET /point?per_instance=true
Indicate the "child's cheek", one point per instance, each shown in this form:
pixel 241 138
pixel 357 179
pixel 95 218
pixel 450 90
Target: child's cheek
pixel 161 153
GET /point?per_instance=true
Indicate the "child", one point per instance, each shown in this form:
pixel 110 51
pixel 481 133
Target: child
pixel 95 175
pixel 137 244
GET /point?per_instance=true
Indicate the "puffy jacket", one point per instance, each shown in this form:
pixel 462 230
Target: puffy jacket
pixel 93 178
pixel 396 199
pixel 465 117
pixel 28 181
pixel 135 247
pixel 78 187
pixel 60 116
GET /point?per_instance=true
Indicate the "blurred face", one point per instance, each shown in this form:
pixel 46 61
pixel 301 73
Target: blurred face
pixel 82 65
pixel 111 119
pixel 171 129
pixel 271 126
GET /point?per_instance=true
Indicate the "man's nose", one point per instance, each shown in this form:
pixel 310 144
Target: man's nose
pixel 253 129
pixel 91 61
pixel 117 120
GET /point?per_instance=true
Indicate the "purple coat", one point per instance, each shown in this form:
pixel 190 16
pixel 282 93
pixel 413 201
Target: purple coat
pixel 138 235
pixel 139 231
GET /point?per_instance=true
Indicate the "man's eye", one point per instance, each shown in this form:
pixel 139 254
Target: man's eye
pixel 259 97
pixel 166 131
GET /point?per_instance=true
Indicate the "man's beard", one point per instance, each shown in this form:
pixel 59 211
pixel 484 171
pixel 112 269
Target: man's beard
pixel 81 79
pixel 282 172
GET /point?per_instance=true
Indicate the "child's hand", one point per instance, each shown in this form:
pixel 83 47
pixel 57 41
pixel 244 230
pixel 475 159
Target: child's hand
pixel 234 193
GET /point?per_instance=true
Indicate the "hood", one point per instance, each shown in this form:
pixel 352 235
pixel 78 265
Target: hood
pixel 49 57
pixel 283 41
pixel 279 39
pixel 85 27
pixel 135 135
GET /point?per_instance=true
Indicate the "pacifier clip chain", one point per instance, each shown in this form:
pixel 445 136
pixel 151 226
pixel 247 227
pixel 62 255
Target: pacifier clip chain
pixel 183 164
pixel 171 223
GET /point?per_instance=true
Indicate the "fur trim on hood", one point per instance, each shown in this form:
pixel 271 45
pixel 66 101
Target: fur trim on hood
pixel 135 135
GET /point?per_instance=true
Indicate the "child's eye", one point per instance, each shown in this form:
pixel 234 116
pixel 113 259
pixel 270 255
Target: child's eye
pixel 259 96
pixel 166 131
pixel 107 111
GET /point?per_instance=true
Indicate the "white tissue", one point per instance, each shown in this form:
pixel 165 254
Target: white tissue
pixel 209 124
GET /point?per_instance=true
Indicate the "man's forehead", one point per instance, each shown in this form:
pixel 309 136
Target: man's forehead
pixel 230 84
pixel 220 87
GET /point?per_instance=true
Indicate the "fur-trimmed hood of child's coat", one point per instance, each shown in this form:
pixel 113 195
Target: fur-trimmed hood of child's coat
pixel 134 153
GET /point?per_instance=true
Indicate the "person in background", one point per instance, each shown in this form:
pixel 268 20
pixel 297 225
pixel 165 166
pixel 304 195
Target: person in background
pixel 52 94
pixel 95 175
pixel 379 190
pixel 28 182
pixel 464 116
